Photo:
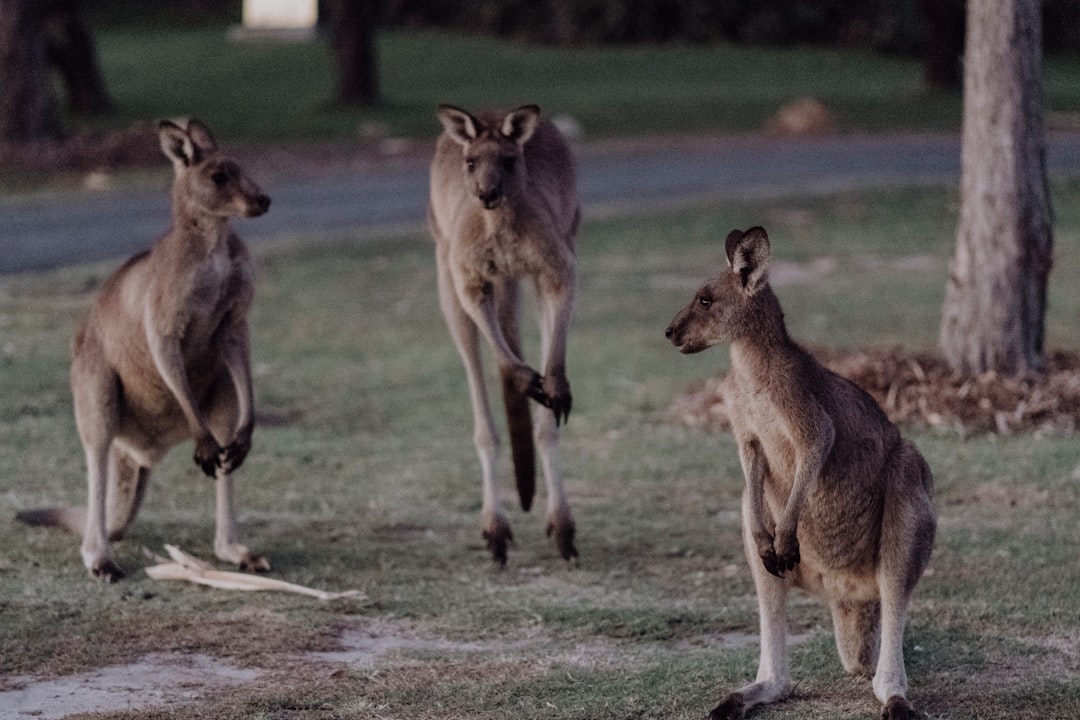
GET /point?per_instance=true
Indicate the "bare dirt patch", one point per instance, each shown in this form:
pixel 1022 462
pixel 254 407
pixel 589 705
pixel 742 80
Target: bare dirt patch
pixel 919 389
pixel 406 655
pixel 156 680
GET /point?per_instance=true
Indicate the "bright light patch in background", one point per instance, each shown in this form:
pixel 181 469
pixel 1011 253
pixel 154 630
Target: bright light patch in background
pixel 280 14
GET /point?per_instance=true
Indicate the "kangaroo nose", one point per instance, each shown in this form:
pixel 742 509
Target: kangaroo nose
pixel 490 198
pixel 669 332
pixel 263 203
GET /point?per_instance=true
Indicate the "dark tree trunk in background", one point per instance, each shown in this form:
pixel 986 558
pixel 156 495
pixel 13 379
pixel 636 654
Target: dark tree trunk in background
pixel 352 39
pixel 995 298
pixel 943 30
pixel 71 49
pixel 27 103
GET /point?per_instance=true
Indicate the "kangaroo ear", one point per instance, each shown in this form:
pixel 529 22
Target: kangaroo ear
pixel 521 124
pixel 177 144
pixel 201 137
pixel 462 127
pixel 748 254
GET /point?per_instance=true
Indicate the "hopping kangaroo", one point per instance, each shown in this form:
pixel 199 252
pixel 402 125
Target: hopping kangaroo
pixel 835 502
pixel 163 356
pixel 504 209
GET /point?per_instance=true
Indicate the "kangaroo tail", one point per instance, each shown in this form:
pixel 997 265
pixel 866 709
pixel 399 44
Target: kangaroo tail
pixel 519 424
pixel 71 519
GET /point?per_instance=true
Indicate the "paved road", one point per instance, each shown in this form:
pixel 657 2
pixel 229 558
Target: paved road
pixel 614 177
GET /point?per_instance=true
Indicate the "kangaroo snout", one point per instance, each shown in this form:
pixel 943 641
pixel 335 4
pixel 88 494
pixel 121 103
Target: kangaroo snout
pixel 676 334
pixel 490 198
pixel 259 205
pixel 672 334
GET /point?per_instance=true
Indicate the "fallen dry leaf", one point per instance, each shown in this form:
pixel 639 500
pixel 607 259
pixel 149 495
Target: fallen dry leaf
pixel 920 389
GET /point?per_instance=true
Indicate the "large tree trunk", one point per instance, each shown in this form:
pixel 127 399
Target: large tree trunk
pixel 27 101
pixel 995 298
pixel 352 38
pixel 943 26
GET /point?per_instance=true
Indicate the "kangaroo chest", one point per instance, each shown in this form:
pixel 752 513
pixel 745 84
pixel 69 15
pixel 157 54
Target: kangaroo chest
pixel 494 248
pixel 215 289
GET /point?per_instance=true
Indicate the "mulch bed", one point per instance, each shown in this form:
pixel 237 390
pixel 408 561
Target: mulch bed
pixel 133 146
pixel 919 389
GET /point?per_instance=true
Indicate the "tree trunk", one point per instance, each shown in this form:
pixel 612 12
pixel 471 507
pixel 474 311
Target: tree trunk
pixel 352 38
pixel 27 102
pixel 995 297
pixel 71 49
pixel 943 25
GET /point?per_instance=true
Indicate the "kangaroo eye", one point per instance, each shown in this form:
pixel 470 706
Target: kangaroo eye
pixel 704 302
pixel 509 163
pixel 219 178
pixel 470 164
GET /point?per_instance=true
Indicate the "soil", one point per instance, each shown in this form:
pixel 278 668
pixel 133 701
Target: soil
pixel 919 389
pixel 171 680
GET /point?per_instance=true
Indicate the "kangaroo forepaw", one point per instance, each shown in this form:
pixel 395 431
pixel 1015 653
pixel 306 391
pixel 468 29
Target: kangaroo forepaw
pixel 553 395
pixel 525 381
pixel 733 707
pixel 898 708
pixel 778 564
pixel 254 563
pixel 233 456
pixel 207 454
pixel 106 571
pixel 559 398
pixel 563 531
pixel 498 537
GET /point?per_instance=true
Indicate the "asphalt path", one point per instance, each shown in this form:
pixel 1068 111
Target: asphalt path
pixel 638 176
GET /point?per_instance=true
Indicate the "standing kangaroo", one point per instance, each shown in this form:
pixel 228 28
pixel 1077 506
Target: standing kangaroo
pixel 503 209
pixel 835 503
pixel 163 356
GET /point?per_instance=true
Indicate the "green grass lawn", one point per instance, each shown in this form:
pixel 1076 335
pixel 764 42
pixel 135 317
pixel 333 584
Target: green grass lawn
pixel 273 91
pixel 363 476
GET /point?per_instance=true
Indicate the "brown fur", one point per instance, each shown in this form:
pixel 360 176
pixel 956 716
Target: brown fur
pixel 163 356
pixel 504 209
pixel 836 502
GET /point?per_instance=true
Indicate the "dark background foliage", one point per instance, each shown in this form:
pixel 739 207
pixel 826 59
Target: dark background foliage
pixel 893 25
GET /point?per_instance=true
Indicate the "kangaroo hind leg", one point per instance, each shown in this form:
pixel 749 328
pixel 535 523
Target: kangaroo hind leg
pixel 907 539
pixel 773 681
pixel 857 626
pixel 554 317
pixel 494 525
pixel 96 394
pixel 126 488
pixel 222 416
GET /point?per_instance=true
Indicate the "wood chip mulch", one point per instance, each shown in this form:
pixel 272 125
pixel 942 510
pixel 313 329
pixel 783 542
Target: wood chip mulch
pixel 920 390
pixel 133 146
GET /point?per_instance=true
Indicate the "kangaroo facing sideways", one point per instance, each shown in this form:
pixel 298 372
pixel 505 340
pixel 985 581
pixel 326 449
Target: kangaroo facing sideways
pixel 504 209
pixel 163 356
pixel 835 502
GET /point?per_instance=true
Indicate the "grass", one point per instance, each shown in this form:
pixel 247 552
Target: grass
pixel 363 476
pixel 274 91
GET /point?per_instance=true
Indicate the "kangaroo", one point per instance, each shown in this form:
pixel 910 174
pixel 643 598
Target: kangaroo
pixel 504 209
pixel 163 356
pixel 835 502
